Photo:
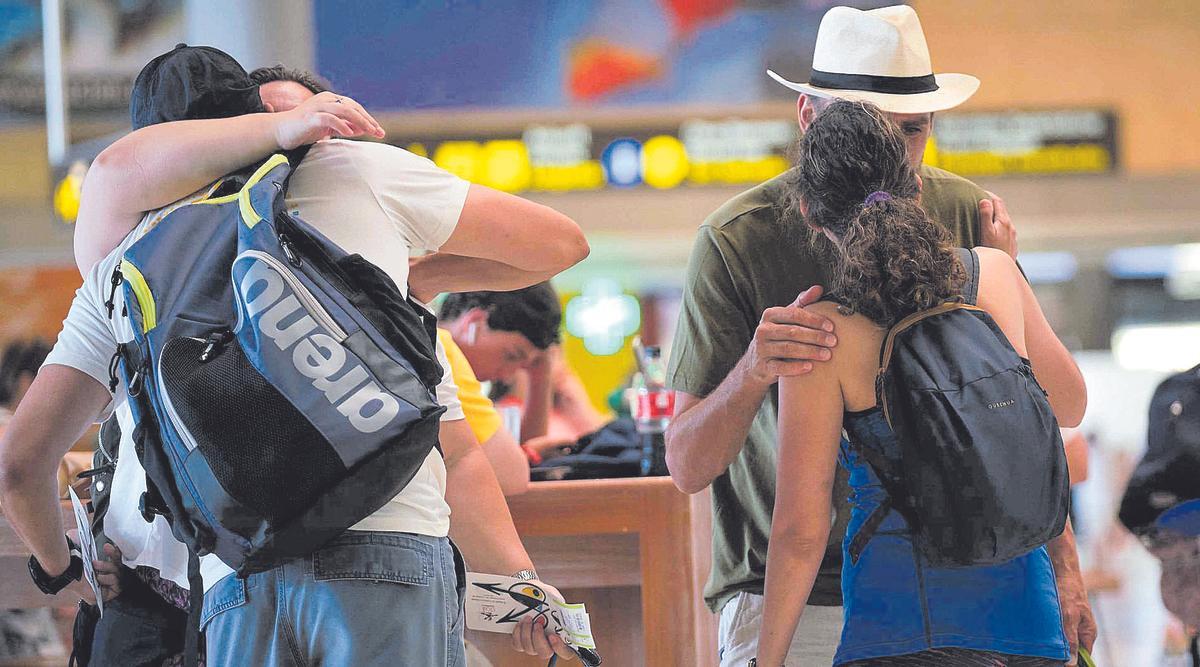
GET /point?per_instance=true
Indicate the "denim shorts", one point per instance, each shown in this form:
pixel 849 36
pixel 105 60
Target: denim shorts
pixel 366 598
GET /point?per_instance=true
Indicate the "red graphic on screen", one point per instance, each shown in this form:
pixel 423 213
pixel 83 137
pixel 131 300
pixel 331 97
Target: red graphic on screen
pixel 598 68
pixel 688 15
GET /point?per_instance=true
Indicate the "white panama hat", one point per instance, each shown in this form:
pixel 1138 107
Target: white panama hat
pixel 880 56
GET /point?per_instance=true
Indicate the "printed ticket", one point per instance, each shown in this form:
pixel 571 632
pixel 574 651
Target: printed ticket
pixel 496 603
pixel 87 545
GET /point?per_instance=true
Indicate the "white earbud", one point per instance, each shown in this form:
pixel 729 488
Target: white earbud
pixel 472 331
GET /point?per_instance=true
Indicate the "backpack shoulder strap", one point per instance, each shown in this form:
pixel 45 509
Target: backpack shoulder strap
pixel 970 262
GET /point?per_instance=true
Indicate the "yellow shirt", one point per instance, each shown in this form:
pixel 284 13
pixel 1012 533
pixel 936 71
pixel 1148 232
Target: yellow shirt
pixel 480 413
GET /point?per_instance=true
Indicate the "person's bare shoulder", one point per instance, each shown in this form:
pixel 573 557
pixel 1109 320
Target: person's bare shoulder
pixel 1002 289
pixel 854 332
pixel 993 256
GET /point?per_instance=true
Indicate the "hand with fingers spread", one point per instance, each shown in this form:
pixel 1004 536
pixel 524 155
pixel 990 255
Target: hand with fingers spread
pixel 322 116
pixel 789 339
pixel 996 229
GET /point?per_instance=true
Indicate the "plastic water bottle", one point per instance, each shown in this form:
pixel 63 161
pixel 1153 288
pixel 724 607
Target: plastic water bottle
pixel 653 407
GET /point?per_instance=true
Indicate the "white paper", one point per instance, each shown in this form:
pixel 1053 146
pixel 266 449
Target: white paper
pixel 496 603
pixel 87 545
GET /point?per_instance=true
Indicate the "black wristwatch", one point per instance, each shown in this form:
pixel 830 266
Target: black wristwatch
pixel 52 585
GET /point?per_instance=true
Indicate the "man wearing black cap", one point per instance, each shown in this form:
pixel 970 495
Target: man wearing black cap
pixel 373 199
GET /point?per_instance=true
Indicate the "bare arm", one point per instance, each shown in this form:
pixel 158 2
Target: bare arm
pixel 439 273
pixel 508 462
pixel 810 426
pixel 482 526
pixel 571 402
pixel 159 164
pixel 505 228
pixel 1051 362
pixel 539 398
pixel 1078 622
pixel 61 404
pixel 707 433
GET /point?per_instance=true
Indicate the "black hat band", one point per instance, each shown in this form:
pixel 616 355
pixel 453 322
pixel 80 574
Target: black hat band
pixel 893 85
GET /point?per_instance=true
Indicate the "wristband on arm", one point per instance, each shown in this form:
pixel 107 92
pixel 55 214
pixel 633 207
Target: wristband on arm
pixel 51 585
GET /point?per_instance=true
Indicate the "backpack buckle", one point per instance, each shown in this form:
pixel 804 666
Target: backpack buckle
pixel 148 508
pixel 214 345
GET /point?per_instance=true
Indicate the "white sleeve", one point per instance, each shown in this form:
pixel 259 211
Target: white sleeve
pixel 447 391
pixel 423 200
pixel 86 342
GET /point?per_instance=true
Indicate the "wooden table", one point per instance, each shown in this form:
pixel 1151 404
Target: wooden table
pixel 637 553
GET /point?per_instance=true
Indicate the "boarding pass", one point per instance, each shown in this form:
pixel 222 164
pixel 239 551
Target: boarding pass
pixel 497 603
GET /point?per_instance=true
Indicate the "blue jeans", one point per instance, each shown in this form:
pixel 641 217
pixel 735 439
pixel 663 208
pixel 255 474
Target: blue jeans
pixel 367 598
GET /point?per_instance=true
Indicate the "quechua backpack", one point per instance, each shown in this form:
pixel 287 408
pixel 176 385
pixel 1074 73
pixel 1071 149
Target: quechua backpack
pixel 282 390
pixel 981 475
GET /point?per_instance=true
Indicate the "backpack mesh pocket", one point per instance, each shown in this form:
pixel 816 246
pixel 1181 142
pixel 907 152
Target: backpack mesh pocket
pixel 263 451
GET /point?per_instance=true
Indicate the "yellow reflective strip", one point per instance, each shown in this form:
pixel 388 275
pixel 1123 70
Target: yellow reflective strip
pixel 249 215
pixel 219 200
pixel 141 291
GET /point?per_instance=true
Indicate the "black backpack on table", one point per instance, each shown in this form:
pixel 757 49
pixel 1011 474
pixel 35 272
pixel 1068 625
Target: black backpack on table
pixel 981 475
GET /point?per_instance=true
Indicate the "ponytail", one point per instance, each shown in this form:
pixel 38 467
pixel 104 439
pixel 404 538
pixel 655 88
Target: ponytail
pixel 853 179
pixel 895 261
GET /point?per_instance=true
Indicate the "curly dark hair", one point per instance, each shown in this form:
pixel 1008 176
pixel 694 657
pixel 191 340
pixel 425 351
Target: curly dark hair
pixel 891 259
pixel 534 312
pixel 311 81
pixel 19 358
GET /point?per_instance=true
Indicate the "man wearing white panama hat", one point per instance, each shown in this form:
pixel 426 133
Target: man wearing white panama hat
pixel 743 324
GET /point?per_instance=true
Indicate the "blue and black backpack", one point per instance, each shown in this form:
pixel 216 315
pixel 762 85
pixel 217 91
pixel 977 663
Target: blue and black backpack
pixel 282 389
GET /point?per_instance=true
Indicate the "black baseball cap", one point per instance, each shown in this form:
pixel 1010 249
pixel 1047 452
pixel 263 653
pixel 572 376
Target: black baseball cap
pixel 192 83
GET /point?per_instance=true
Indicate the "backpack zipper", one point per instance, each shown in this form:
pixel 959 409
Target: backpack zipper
pixel 115 282
pixel 113 363
pixel 289 250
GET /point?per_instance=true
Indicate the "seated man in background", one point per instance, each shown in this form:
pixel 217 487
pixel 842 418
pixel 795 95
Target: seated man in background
pixel 504 454
pixel 513 338
pixel 397 201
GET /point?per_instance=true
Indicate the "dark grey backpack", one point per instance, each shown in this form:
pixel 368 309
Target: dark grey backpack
pixel 981 477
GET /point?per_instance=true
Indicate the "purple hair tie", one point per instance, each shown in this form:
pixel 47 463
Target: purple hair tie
pixel 876 197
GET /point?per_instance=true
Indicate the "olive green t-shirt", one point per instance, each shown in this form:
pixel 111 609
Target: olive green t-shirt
pixel 747 258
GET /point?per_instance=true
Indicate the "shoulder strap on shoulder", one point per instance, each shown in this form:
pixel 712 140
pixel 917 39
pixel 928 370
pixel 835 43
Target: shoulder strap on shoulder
pixel 970 260
pixel 294 157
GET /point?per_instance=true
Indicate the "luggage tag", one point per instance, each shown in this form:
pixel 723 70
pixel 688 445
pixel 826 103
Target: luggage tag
pixel 496 603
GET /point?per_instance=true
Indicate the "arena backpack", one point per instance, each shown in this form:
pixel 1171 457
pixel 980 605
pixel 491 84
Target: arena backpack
pixel 281 389
pixel 980 474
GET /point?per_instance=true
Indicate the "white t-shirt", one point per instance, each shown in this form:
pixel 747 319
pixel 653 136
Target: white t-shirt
pixel 372 199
